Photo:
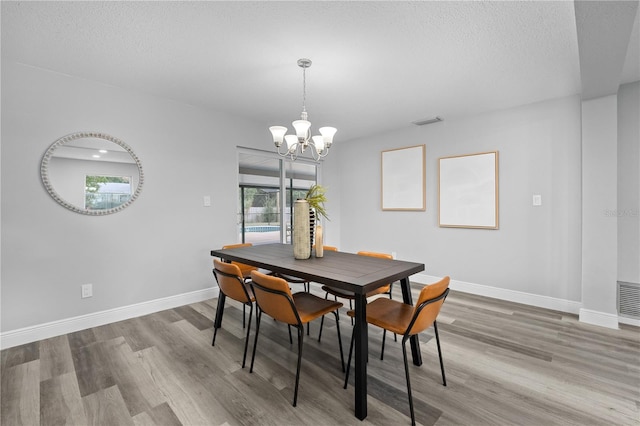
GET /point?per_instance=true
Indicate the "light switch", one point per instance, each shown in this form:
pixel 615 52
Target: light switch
pixel 537 199
pixel 206 201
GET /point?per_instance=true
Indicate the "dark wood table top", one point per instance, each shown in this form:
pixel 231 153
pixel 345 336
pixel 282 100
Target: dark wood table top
pixel 347 271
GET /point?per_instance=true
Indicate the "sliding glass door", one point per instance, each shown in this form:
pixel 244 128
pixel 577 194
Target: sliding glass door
pixel 268 187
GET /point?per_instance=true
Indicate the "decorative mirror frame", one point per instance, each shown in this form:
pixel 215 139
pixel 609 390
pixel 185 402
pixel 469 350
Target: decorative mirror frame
pixel 79 135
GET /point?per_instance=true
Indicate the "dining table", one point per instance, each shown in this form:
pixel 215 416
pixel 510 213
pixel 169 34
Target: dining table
pixel 345 271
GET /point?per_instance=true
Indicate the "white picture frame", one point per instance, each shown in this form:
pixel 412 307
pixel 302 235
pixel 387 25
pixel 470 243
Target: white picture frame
pixel 404 179
pixel 468 191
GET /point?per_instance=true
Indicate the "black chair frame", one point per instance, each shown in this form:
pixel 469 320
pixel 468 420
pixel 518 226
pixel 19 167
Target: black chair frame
pixel 246 280
pixel 299 326
pixel 406 337
pixel 220 310
pixel 326 296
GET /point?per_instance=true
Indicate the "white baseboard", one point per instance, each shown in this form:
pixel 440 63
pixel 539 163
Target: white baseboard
pixel 70 325
pixel 602 319
pixel 587 316
pixel 546 302
pixel 628 321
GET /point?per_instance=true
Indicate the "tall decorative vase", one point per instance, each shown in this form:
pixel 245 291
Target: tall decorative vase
pixel 319 241
pixel 312 227
pixel 301 230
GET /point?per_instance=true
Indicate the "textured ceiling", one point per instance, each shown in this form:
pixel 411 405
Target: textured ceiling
pixel 377 66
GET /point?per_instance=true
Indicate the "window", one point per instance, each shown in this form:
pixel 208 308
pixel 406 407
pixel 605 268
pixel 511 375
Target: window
pixel 268 187
pixel 106 192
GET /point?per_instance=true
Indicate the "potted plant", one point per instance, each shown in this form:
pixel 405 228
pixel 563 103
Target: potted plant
pixel 316 198
pixel 304 214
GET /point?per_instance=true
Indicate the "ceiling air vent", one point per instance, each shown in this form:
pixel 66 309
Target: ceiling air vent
pixel 629 299
pixel 427 121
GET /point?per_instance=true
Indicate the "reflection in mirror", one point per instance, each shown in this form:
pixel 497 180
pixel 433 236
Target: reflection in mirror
pixel 106 192
pixel 92 173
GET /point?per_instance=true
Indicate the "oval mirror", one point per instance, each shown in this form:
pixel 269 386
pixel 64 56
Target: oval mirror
pixel 92 173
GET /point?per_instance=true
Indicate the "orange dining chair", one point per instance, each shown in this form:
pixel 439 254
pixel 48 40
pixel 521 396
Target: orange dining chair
pixel 345 294
pixel 274 298
pixel 233 285
pixel 245 270
pixel 306 284
pixel 408 321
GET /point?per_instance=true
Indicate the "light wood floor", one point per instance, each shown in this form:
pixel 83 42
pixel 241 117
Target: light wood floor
pixel 506 364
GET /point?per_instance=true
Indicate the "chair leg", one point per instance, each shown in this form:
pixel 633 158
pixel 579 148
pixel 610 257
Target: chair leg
pixel 215 332
pixel 217 322
pixel 346 376
pixel 290 338
pixel 300 338
pixel 339 340
pixel 321 327
pixel 255 341
pixel 246 340
pixel 244 316
pixel 435 328
pixel 395 336
pixel 326 296
pixel 384 335
pixel 406 371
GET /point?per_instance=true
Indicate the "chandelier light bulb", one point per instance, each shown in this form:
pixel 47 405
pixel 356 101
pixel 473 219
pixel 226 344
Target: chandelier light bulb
pixel 327 135
pixel 302 129
pixel 318 141
pixel 278 133
pixel 292 142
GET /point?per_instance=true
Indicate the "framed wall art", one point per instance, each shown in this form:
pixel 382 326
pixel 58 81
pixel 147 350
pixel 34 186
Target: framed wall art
pixel 403 179
pixel 468 191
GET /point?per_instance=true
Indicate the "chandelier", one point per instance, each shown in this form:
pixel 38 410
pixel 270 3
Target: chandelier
pixel 297 144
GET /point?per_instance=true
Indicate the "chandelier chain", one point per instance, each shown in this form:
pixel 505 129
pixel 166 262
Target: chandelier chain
pixel 304 88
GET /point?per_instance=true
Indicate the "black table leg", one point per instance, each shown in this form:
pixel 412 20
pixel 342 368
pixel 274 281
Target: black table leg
pixel 217 323
pixel 361 343
pixel 415 343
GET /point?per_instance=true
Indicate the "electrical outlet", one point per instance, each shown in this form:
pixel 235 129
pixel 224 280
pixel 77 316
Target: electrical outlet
pixel 87 290
pixel 393 254
pixel 206 201
pixel 537 200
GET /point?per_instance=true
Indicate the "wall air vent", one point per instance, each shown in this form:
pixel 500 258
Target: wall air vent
pixel 427 121
pixel 629 299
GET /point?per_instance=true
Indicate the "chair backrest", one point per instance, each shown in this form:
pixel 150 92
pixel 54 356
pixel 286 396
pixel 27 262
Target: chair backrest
pixel 428 305
pixel 374 254
pixel 274 298
pixel 244 268
pixel 326 248
pixel 230 281
pixel 232 246
pixel 387 287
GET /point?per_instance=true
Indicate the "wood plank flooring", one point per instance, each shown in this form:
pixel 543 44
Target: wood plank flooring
pixel 506 364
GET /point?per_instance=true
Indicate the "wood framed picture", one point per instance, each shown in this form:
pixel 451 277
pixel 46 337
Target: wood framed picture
pixel 468 191
pixel 403 179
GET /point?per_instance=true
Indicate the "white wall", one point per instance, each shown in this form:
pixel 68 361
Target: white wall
pixel 599 195
pixel 159 246
pixel 628 211
pixel 536 250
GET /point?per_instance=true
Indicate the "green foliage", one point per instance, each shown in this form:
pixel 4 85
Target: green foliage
pixel 92 183
pixel 316 198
